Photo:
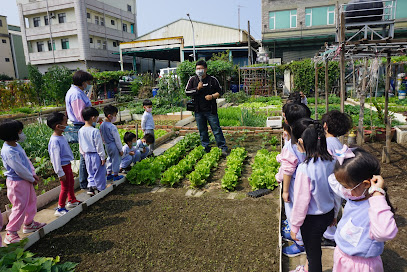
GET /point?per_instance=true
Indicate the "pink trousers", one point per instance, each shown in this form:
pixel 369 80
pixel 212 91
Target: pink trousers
pixel 346 263
pixel 22 196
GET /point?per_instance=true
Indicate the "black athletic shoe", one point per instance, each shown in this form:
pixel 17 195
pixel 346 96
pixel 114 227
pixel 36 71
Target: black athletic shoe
pixel 326 243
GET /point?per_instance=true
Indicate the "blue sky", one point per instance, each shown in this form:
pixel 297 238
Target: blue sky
pixel 153 14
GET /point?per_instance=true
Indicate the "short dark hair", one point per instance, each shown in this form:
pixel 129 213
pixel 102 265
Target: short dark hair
pixel 79 77
pixel 338 123
pixel 9 130
pixel 149 138
pixel 147 102
pixel 55 119
pixel 129 136
pixel 201 62
pixel 89 112
pixel 110 109
pixel 294 112
pixel 294 97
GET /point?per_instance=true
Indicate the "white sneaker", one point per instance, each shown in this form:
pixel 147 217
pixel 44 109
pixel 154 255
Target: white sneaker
pixel 73 204
pixel 60 212
pixel 34 226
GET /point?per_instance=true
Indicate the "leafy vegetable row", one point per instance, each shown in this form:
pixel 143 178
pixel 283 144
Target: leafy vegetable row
pixel 203 168
pixel 265 167
pixel 176 173
pixel 233 171
pixel 149 170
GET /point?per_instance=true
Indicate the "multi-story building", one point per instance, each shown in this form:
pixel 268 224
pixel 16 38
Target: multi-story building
pixel 17 50
pixel 296 29
pixel 6 57
pixel 77 33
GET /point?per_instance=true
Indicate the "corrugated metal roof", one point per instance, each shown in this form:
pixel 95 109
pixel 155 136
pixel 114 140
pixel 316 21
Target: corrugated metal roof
pixel 205 33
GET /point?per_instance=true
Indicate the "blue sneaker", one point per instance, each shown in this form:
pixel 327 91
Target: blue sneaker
pixel 284 223
pixel 110 177
pixel 117 178
pixel 293 250
pixel 286 233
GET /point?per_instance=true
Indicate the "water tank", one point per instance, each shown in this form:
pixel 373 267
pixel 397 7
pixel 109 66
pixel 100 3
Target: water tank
pixel 364 11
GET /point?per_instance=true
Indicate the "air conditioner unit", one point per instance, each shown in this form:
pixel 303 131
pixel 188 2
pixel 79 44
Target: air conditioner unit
pixel 52 15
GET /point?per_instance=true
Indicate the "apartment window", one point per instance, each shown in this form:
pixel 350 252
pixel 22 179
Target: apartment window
pixel 90 40
pixel 128 8
pixel 3 41
pixel 50 48
pixel 308 17
pixel 7 60
pixel 65 43
pixel 1 23
pixel 40 46
pixel 272 20
pixel 331 15
pixel 102 21
pixel 46 20
pixel 283 19
pixel 114 44
pixel 88 15
pixel 36 21
pixel 320 16
pixel 293 18
pixel 97 20
pixel 132 28
pixel 125 27
pixel 112 22
pixel 104 45
pixel 61 18
pixel 99 44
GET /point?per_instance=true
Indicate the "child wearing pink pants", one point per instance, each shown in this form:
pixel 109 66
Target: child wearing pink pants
pixel 20 182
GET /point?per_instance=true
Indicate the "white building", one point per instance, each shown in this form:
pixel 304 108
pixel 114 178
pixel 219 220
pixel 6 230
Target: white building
pixel 77 33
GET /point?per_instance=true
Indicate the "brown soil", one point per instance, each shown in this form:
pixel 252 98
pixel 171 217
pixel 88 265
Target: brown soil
pixel 395 174
pixel 134 230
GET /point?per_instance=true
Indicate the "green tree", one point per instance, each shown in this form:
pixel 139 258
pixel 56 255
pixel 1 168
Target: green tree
pixel 37 81
pixel 57 82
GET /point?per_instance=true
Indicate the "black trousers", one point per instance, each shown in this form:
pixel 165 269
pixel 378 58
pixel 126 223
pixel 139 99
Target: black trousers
pixel 312 230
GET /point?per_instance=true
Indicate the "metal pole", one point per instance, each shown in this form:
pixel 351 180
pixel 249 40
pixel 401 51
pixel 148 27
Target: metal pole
pixel 316 91
pixel 326 85
pixel 342 61
pixel 275 81
pixel 193 36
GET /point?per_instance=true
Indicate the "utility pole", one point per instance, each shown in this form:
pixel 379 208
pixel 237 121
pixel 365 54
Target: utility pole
pixel 249 44
pixel 193 36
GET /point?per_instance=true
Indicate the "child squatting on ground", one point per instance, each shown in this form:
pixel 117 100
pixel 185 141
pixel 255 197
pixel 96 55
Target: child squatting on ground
pixel 147 121
pixel 111 138
pixel 61 156
pixel 91 147
pixel 135 150
pixel 368 218
pixel 20 182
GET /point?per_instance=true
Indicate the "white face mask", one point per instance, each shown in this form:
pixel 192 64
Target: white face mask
pixel 200 72
pixel 114 118
pixel 149 110
pixel 21 137
pixel 347 193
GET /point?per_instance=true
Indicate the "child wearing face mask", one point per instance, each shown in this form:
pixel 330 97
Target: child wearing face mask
pixel 130 153
pixel 147 121
pixel 91 147
pixel 368 218
pixel 143 145
pixel 61 156
pixel 20 182
pixel 111 138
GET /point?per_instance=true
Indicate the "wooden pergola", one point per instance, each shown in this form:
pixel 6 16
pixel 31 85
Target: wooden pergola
pixel 345 50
